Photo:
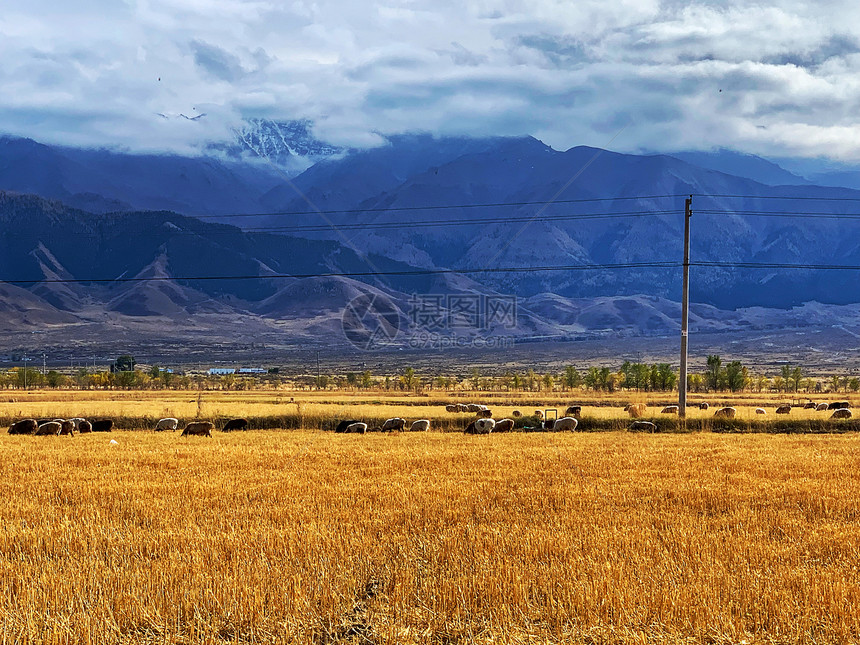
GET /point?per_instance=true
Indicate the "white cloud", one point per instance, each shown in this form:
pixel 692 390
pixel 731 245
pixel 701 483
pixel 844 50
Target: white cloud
pixel 777 79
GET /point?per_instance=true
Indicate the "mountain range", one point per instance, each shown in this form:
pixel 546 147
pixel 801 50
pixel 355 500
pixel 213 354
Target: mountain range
pixel 95 237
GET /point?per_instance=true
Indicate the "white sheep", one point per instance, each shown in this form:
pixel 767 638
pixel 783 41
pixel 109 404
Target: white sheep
pixel 484 426
pixel 168 423
pixel 565 424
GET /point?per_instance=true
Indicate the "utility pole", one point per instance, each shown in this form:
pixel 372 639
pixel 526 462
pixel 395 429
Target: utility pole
pixel 685 310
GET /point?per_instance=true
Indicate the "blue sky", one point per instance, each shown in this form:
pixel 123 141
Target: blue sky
pixel 781 79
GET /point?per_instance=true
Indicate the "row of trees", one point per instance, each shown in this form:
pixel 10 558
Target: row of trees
pixel 19 377
pixel 731 376
pixel 658 377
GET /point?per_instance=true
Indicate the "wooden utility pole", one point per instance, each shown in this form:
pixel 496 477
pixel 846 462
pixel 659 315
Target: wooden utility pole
pixel 685 311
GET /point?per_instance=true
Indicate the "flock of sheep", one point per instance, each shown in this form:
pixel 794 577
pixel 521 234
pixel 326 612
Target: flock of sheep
pixel 482 424
pixel 840 409
pixel 395 424
pixel 57 427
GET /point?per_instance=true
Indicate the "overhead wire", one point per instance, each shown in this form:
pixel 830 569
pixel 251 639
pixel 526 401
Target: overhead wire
pixel 432 272
pixel 432 207
pixel 355 274
pixel 473 221
pixel 784 197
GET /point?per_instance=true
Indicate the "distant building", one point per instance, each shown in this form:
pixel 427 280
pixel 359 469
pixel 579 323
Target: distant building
pixel 221 371
pixel 253 370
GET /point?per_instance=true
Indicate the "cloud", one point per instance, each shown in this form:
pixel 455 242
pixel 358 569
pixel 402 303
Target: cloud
pixel 776 79
pixel 217 62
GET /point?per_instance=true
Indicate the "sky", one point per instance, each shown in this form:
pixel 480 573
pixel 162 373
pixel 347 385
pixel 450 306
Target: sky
pixel 777 79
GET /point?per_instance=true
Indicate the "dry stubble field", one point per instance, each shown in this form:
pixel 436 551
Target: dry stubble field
pixel 311 537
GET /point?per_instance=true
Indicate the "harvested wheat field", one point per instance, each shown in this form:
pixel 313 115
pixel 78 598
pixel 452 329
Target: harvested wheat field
pixel 310 537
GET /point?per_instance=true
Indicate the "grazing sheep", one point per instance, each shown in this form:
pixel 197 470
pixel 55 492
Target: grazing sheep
pixel 24 426
pixel 77 422
pixel 565 424
pixel 486 414
pixel 85 426
pixel 51 428
pixel 810 405
pixel 484 426
pixel 760 411
pixel 727 413
pixel 462 407
pixel 516 414
pixel 636 410
pixel 642 426
pixel 473 407
pixel 343 425
pixel 783 409
pixel 821 407
pixel 235 424
pixel 838 405
pixel 198 429
pixel 422 425
pixel 538 414
pixel 670 409
pixel 67 427
pixel 102 425
pixel 841 413
pixel 470 429
pixel 393 424
pixel 703 406
pixel 452 408
pixel 356 428
pixel 573 411
pixel 168 423
pixel 504 425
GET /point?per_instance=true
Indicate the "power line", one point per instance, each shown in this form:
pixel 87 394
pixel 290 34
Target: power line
pixel 383 209
pixel 778 265
pixel 785 197
pixel 460 222
pixel 791 214
pixel 357 274
pixel 361 226
pixel 430 272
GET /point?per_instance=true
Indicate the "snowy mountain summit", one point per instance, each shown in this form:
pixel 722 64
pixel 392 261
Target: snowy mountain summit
pixel 289 145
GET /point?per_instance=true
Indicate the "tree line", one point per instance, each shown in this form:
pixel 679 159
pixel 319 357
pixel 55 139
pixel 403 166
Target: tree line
pixel 718 376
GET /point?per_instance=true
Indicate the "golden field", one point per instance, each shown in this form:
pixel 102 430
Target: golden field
pixel 312 537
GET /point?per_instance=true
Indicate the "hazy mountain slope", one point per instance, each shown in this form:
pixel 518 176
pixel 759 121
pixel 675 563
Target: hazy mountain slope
pixel 366 174
pixel 571 231
pixel 20 308
pixel 743 165
pixel 104 181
